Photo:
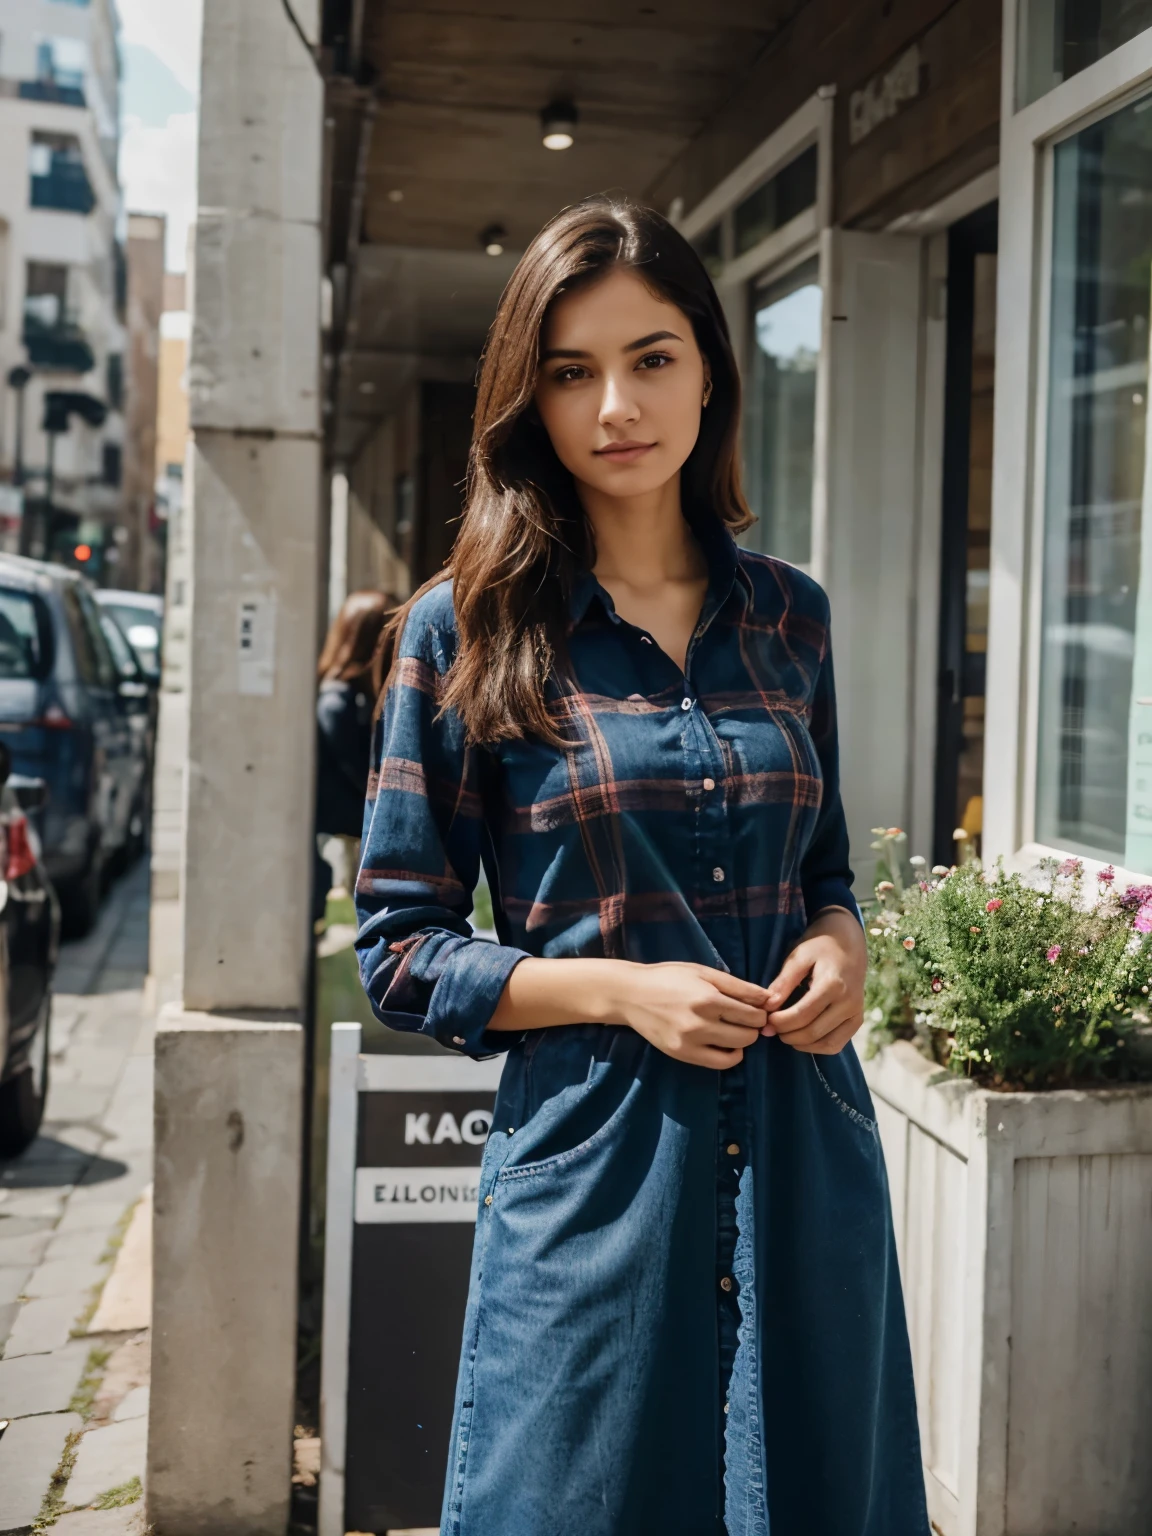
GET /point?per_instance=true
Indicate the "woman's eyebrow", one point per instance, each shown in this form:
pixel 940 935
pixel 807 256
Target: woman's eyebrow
pixel 646 341
pixel 633 346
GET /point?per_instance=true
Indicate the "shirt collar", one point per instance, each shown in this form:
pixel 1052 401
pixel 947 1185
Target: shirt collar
pixel 723 570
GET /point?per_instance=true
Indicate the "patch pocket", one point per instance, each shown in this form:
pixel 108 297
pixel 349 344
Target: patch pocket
pixel 601 1100
pixel 861 1121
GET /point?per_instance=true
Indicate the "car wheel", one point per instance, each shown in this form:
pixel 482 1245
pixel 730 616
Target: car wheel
pixel 80 900
pixel 22 1098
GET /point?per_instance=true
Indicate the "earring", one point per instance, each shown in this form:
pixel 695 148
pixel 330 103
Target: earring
pixel 707 393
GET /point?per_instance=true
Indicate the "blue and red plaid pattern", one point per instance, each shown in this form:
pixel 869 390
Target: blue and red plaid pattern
pixel 698 818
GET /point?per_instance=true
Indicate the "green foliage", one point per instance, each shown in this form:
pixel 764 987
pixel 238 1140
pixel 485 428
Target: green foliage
pixel 1021 983
pixel 118 1498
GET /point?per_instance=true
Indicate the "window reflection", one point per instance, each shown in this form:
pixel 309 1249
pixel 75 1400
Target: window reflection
pixel 1095 747
pixel 781 415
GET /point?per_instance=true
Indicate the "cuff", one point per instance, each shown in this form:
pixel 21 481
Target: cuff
pixel 465 996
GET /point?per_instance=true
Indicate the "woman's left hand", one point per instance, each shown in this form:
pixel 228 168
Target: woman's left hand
pixel 832 958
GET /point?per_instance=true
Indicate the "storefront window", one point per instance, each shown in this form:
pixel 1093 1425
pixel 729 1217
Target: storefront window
pixel 1094 781
pixel 781 415
pixel 1059 38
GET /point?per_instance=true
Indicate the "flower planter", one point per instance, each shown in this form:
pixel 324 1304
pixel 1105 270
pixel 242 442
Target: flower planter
pixel 1024 1227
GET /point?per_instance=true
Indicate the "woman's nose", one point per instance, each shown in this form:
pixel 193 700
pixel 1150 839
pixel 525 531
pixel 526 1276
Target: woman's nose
pixel 617 404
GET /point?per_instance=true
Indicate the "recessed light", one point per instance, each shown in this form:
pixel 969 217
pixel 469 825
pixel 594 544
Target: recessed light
pixel 558 124
pixel 367 388
pixel 492 239
pixel 395 196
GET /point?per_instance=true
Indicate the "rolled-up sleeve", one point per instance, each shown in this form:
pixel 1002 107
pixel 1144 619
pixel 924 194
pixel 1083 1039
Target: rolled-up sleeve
pixel 421 967
pixel 825 874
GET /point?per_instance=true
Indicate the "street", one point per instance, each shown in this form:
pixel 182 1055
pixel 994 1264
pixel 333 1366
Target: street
pixel 74 1249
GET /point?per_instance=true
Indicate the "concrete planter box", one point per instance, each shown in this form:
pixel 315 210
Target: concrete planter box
pixel 1024 1226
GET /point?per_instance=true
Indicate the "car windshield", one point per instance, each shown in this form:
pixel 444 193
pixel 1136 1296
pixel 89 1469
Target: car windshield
pixel 22 653
pixel 142 628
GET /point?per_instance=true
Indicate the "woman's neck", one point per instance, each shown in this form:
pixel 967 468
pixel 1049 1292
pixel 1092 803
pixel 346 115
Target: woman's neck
pixel 642 541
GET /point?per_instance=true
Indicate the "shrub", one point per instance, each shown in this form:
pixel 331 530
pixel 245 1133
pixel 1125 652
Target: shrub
pixel 1035 982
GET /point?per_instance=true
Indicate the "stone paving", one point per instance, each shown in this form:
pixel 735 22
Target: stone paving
pixel 76 1401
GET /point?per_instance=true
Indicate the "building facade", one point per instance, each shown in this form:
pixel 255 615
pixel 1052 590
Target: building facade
pixel 62 278
pixel 928 225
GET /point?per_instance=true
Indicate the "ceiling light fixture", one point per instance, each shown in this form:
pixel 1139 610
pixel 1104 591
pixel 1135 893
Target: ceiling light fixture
pixel 395 196
pixel 493 238
pixel 558 122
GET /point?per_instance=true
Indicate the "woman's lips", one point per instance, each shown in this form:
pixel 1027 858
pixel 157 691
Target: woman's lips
pixel 623 453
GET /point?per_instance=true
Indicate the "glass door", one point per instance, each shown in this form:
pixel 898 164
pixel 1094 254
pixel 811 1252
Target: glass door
pixel 970 365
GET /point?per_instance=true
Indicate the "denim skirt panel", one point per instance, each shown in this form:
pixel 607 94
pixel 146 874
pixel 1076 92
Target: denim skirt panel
pixel 591 1391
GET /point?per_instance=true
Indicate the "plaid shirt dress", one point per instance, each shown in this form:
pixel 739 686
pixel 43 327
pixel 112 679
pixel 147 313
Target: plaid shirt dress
pixel 685 1313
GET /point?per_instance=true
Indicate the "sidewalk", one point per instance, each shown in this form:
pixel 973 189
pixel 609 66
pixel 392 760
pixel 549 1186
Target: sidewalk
pixel 74 1250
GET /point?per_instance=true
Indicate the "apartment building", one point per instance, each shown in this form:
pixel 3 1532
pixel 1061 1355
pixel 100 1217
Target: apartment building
pixel 63 281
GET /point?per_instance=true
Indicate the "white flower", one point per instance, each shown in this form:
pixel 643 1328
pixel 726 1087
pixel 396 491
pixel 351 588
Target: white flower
pixel 959 835
pixel 939 869
pixel 917 861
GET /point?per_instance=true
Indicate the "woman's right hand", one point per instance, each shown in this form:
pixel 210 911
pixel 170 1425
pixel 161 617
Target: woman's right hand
pixel 691 1012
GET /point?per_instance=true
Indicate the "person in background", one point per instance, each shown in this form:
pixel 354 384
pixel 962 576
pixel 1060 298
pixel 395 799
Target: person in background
pixel 348 690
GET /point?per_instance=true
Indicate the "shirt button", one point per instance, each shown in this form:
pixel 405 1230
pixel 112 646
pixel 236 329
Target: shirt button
pixel 717 874
pixel 488 1201
pixel 457 1039
pixel 733 1149
pixel 726 1283
pixel 685 703
pixel 709 783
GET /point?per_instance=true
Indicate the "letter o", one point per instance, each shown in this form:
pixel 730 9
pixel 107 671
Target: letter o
pixel 475 1125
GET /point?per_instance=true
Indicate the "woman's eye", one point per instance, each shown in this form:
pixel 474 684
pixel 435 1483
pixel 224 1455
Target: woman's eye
pixel 652 360
pixel 568 375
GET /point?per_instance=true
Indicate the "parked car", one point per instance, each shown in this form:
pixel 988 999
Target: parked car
pixel 65 718
pixel 29 940
pixel 141 616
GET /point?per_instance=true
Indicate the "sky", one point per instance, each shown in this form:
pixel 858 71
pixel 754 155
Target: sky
pixel 160 41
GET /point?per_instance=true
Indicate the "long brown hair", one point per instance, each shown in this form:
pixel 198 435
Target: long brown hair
pixel 524 537
pixel 352 645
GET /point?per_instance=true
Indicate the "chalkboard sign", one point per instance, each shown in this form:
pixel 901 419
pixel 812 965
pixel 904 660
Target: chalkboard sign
pixel 406 1135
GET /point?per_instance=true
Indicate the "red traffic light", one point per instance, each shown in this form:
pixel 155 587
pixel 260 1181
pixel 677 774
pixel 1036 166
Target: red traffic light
pixel 83 552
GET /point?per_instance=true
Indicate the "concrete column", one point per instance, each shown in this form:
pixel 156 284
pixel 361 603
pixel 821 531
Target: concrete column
pixel 224 1258
pixel 229 1081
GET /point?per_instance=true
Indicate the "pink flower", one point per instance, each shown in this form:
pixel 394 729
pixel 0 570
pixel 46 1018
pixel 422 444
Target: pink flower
pixel 1106 876
pixel 1142 922
pixel 994 905
pixel 937 984
pixel 923 885
pixel 1053 954
pixel 911 943
pixel 1069 867
pixel 1136 896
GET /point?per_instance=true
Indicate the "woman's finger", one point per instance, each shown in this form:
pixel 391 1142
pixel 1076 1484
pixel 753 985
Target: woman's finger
pixel 829 1025
pixel 824 992
pixel 713 1056
pixel 731 1036
pixel 732 1012
pixel 796 968
pixel 744 991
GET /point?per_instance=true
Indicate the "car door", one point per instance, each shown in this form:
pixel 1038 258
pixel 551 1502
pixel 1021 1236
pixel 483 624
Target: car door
pixel 111 730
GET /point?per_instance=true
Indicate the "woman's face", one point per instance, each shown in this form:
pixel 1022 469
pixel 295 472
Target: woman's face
pixel 620 386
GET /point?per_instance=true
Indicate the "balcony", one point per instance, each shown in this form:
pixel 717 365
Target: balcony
pixel 60 347
pixel 65 187
pixel 55 91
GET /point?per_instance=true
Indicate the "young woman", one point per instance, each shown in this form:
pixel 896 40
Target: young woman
pixel 344 708
pixel 685 1315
